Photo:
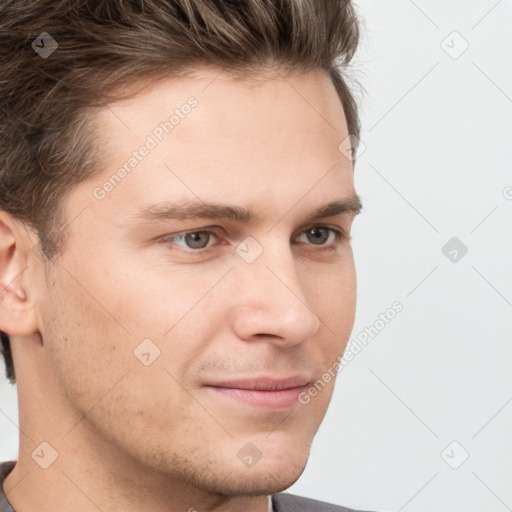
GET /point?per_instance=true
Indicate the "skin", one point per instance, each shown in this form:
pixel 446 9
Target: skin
pixel 155 438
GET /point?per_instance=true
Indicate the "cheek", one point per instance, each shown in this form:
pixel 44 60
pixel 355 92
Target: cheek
pixel 94 324
pixel 152 296
pixel 96 370
pixel 87 346
pixel 332 294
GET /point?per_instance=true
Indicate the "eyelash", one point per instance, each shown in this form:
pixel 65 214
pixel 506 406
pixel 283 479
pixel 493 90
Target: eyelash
pixel 340 235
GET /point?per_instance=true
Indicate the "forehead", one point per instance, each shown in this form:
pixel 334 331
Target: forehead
pixel 246 109
pixel 209 136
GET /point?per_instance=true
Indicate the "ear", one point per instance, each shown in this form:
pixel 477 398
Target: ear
pixel 17 310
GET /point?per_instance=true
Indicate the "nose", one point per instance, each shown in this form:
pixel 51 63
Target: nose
pixel 270 302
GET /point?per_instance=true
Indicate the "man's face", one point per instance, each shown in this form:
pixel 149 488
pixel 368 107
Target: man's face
pixel 252 302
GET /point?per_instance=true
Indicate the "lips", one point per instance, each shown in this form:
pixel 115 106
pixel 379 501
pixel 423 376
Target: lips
pixel 264 383
pixel 263 392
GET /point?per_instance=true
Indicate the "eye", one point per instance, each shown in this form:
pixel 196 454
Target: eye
pixel 197 242
pixel 319 235
pixel 193 239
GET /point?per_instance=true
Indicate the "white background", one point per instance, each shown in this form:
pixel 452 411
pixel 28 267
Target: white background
pixel 437 165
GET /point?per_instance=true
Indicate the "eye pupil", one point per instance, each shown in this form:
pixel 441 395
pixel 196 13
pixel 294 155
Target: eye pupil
pixel 321 235
pixel 194 239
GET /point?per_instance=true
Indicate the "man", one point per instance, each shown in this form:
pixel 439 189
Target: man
pixel 177 277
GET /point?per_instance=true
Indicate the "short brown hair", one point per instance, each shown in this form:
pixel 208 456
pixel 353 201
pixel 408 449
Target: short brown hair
pixel 46 140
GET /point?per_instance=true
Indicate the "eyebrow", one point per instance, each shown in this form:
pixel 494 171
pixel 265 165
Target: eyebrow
pixel 196 209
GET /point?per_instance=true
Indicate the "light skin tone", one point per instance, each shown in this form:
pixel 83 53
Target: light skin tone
pixel 160 437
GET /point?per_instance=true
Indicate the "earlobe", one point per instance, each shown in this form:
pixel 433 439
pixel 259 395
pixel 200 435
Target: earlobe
pixel 17 311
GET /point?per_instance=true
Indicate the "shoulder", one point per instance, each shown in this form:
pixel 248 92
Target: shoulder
pixel 285 502
pixel 5 469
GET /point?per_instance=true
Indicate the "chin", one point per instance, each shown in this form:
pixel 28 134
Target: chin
pixel 278 468
pixel 221 475
pixel 255 481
